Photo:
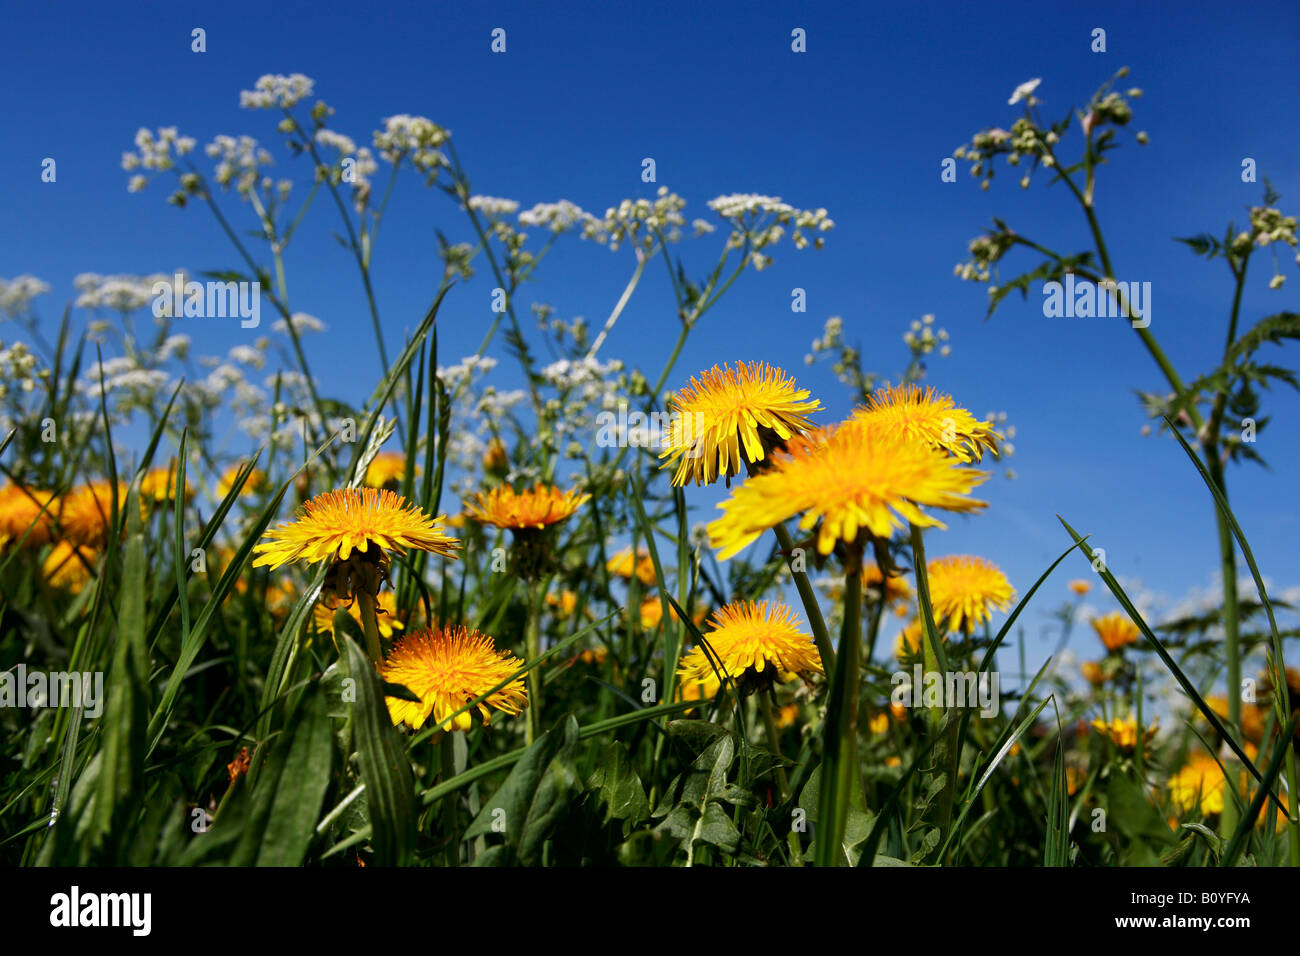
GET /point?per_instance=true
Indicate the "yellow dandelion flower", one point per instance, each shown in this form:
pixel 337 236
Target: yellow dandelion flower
pixel 68 567
pixel 21 517
pixel 386 617
pixel 334 524
pixel 387 470
pixel 930 417
pixel 159 485
pixel 652 613
pixel 787 716
pixel 1123 733
pixel 1115 630
pixel 755 644
pixel 898 710
pixel 893 588
pixel 849 479
pixel 594 656
pixel 910 641
pixel 542 506
pixel 728 417
pixel 1074 778
pixel 255 482
pixel 85 514
pixel 878 723
pixel 496 460
pixel 1093 673
pixel 893 760
pixel 1198 787
pixel 964 591
pixel 625 565
pixel 562 604
pixel 1079 587
pixel 1253 717
pixel 447 668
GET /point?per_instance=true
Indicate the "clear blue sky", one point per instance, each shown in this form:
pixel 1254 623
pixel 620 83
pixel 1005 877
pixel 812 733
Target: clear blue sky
pixel 858 124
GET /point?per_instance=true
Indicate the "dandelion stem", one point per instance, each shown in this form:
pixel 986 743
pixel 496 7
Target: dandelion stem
pixel 809 599
pixel 782 780
pixel 534 726
pixel 840 788
pixel 370 625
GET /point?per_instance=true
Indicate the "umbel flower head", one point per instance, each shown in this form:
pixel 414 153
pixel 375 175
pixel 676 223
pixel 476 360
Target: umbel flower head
pixel 356 529
pixel 447 668
pixel 927 416
pixel 850 479
pixel 1115 630
pixel 756 644
pixel 965 590
pixel 726 418
pixel 539 508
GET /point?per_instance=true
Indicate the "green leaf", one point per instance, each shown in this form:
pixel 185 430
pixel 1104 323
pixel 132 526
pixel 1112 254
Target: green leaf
pixel 385 768
pixel 527 806
pixel 618 788
pixel 1132 813
pixel 122 770
pixel 298 790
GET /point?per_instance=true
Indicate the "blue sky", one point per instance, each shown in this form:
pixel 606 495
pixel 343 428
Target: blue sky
pixel 857 124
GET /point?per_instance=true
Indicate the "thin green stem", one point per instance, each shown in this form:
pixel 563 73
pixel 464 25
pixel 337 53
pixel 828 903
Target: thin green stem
pixel 370 625
pixel 809 598
pixel 534 680
pixel 782 780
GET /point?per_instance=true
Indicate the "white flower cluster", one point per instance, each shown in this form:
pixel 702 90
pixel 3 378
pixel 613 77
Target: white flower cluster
pixel 1268 225
pixel 173 347
pixel 1025 91
pixel 568 374
pixel 412 137
pixel 16 294
pixel 17 368
pixel 492 206
pixel 302 322
pixel 637 221
pixel 455 377
pixel 762 221
pixel 494 406
pixel 238 160
pixel 922 339
pixel 557 216
pixel 142 384
pixel 275 90
pixel 338 141
pixel 985 251
pixel 121 293
pixel 363 165
pixel 154 154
